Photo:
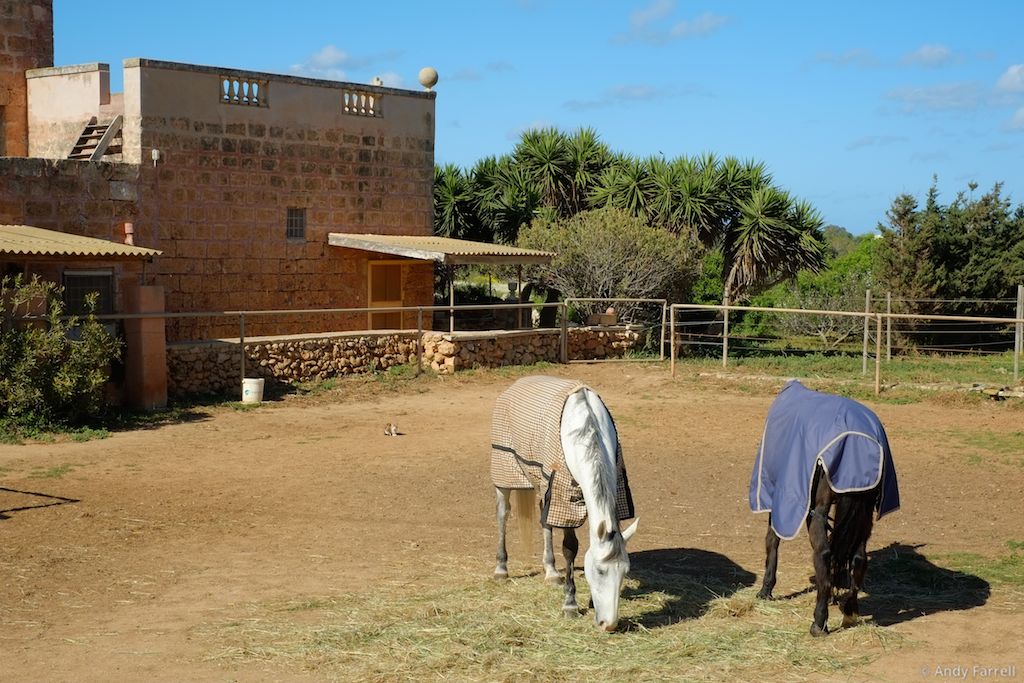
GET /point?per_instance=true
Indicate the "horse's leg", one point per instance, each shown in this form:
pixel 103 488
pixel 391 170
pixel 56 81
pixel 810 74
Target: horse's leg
pixel 551 574
pixel 850 607
pixel 502 495
pixel 771 562
pixel 570 546
pixel 822 565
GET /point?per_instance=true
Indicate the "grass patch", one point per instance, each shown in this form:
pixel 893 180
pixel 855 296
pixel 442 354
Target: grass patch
pixel 921 370
pixel 675 625
pixel 55 472
pixel 88 434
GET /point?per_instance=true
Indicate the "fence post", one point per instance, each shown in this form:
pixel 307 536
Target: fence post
pixel 1018 347
pixel 241 345
pixel 419 340
pixel 672 338
pixel 565 332
pixel 725 331
pixel 661 347
pixel 888 327
pixel 867 322
pixel 451 310
pixel 878 354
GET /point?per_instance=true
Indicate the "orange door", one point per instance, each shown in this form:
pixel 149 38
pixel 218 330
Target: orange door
pixel 385 291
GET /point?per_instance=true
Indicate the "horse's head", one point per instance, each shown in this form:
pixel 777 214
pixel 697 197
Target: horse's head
pixel 605 566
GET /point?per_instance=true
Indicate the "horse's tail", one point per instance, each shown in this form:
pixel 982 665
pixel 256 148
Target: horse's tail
pixel 853 523
pixel 524 508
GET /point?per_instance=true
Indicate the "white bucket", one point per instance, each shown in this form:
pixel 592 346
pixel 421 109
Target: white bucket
pixel 252 390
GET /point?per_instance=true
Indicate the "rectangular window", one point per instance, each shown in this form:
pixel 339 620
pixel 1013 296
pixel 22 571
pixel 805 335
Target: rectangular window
pixel 79 284
pixel 295 224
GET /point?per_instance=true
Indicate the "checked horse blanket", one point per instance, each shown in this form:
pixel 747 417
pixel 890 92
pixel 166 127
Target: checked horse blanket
pixel 526 450
pixel 805 427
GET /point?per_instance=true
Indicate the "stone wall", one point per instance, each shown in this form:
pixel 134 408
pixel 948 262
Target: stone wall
pixel 447 352
pixel 92 199
pixel 215 366
pixel 590 343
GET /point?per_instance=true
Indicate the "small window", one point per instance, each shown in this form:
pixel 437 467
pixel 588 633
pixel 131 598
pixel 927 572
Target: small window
pixel 79 284
pixel 295 224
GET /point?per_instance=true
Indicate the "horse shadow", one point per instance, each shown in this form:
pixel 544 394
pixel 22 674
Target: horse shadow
pixel 902 585
pixel 690 578
pixel 50 501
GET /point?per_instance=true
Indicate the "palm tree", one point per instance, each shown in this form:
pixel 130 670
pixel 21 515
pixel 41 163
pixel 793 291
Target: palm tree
pixel 454 211
pixel 774 238
pixel 505 198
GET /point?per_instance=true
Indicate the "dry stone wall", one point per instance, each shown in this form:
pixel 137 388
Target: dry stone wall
pixel 215 366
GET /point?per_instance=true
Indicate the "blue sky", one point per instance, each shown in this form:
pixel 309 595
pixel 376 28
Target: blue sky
pixel 849 104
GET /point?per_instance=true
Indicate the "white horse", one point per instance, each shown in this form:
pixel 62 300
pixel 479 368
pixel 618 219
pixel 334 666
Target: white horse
pixel 590 445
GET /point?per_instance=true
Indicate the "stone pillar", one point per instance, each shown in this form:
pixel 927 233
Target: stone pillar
pixel 145 348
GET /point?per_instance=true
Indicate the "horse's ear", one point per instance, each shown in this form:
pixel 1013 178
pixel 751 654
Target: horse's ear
pixel 630 530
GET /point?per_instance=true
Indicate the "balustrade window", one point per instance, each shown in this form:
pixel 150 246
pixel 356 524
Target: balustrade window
pixel 245 91
pixel 361 103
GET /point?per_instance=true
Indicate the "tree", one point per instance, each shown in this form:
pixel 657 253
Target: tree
pixel 609 253
pixel 951 259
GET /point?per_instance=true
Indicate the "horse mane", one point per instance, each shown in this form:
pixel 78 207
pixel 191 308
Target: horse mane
pixel 598 464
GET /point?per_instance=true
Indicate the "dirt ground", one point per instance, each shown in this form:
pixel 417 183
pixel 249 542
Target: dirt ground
pixel 115 552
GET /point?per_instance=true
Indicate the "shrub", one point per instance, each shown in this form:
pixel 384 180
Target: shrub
pixel 608 253
pixel 52 371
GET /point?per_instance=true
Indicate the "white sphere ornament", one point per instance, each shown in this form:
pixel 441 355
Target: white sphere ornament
pixel 428 77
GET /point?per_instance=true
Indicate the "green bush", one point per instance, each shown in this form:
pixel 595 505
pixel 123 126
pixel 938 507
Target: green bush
pixel 52 371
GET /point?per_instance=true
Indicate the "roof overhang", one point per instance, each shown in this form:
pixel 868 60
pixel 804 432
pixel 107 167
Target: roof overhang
pixel 28 243
pixel 440 249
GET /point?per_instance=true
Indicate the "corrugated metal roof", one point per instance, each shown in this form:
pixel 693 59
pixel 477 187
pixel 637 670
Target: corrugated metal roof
pixel 441 249
pixel 28 241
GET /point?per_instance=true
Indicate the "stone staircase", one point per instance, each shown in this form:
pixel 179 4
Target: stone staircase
pixel 98 140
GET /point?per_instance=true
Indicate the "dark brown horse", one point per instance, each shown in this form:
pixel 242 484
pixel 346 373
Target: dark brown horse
pixel 824 462
pixel 839 549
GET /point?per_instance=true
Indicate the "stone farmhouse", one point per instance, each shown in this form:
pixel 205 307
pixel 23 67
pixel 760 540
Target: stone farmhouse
pixel 211 189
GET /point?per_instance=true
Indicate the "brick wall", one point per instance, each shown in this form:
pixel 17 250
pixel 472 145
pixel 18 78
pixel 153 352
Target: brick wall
pixel 228 173
pixel 91 199
pixel 26 42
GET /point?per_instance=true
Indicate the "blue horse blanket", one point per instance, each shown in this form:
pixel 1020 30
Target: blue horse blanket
pixel 804 428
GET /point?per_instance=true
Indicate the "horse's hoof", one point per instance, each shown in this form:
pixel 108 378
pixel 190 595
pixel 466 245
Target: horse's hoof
pixel 553 579
pixel 571 612
pixel 850 620
pixel 501 576
pixel 819 630
pixel 765 595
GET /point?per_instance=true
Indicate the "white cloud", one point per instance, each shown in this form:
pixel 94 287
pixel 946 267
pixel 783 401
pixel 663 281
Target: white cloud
pixel 622 95
pixel 942 97
pixel 930 157
pixel 475 74
pixel 1012 79
pixel 1017 122
pixel 704 25
pixel 392 80
pixel 853 57
pixel 931 55
pixel 874 141
pixel 643 25
pixel 659 9
pixel 328 57
pixel 332 63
